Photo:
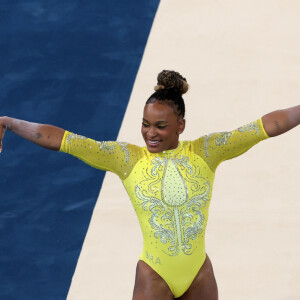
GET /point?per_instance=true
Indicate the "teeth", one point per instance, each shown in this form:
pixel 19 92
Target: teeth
pixel 153 142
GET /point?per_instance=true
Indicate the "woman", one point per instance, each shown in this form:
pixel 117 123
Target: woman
pixel 169 183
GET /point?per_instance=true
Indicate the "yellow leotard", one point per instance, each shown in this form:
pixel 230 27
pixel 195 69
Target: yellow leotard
pixel 170 192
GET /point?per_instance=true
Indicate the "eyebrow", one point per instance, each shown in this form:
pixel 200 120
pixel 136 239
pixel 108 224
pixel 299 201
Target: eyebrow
pixel 157 123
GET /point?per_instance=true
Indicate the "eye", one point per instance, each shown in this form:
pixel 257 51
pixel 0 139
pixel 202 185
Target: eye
pixel 161 126
pixel 145 124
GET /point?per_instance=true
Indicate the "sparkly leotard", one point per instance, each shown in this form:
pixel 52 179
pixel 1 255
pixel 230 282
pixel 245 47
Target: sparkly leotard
pixel 170 192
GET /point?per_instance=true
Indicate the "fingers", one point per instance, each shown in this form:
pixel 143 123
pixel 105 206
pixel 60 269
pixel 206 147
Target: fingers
pixel 2 132
pixel 3 128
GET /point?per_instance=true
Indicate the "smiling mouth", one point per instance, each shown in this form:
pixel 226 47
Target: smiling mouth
pixel 153 143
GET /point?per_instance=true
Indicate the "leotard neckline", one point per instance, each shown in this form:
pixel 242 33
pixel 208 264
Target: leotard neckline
pixel 169 152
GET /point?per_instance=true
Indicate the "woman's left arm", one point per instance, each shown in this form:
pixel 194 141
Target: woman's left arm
pixel 281 121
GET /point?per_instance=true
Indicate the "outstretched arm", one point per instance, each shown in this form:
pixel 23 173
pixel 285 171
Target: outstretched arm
pixel 47 136
pixel 281 121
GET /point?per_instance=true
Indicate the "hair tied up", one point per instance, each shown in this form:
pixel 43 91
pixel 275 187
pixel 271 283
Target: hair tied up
pixel 159 87
pixel 171 80
pixel 169 89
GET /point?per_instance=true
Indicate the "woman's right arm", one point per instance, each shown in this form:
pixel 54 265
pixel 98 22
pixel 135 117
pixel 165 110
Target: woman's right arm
pixel 47 136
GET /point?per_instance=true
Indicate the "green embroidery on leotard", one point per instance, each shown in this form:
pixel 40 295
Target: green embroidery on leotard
pixel 74 136
pixel 173 189
pixel 175 219
pixel 124 149
pixel 249 127
pixel 108 147
pixel 223 138
pixel 220 139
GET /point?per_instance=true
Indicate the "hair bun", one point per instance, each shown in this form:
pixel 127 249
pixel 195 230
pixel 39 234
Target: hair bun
pixel 171 80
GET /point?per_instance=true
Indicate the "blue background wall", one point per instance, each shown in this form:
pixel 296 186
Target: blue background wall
pixel 71 64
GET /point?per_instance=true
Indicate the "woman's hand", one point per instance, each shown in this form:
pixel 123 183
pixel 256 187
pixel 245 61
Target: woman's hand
pixel 2 131
pixel 46 136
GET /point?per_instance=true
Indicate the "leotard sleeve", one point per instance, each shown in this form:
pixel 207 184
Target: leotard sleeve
pixel 217 147
pixel 116 157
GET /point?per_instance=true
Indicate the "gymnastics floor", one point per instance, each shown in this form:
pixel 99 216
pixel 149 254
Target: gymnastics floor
pixel 89 68
pixel 242 60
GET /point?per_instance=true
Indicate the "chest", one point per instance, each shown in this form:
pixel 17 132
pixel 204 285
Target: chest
pixel 172 180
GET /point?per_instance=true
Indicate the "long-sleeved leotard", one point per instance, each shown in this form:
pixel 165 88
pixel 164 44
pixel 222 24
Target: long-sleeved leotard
pixel 170 192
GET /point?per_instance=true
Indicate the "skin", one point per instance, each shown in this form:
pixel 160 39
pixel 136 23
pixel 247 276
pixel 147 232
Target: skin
pixel 150 286
pixel 161 126
pixel 46 136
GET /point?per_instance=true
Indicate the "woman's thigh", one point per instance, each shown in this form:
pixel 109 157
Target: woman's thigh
pixel 149 285
pixel 204 286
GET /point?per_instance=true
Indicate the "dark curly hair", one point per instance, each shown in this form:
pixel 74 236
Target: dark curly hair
pixel 169 89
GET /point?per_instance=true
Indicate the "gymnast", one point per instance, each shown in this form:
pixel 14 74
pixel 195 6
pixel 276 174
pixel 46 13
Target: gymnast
pixel 169 183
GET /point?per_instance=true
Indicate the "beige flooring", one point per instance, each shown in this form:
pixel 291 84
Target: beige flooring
pixel 242 60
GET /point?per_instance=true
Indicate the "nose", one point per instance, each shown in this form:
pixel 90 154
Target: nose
pixel 151 133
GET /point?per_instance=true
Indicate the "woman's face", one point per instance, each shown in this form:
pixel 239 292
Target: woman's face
pixel 161 127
